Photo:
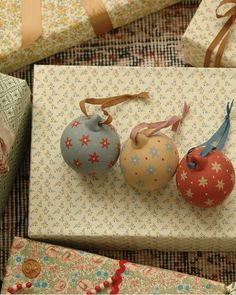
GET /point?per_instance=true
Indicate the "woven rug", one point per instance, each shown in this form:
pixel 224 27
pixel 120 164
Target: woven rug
pixel 151 41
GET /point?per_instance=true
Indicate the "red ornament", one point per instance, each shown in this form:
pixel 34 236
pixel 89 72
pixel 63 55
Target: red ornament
pixel 210 182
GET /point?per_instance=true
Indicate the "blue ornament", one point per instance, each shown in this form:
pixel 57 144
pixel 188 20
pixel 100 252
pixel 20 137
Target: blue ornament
pixel 90 147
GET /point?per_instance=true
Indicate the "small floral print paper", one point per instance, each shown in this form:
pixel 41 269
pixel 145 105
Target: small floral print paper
pixel 70 271
pixel 65 24
pixel 202 30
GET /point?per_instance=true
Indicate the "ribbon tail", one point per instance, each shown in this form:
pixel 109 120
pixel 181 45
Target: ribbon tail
pixel 176 126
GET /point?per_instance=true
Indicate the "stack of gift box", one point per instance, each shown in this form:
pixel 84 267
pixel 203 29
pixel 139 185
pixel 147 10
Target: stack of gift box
pixel 158 177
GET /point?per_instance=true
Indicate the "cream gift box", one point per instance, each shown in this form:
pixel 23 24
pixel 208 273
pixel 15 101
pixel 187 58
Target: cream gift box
pixel 64 24
pixel 15 113
pixel 107 213
pixel 202 30
pixel 54 269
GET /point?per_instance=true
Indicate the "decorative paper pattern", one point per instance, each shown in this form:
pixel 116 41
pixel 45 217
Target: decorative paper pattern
pixel 106 212
pixel 15 108
pixel 201 32
pixel 64 24
pixel 70 271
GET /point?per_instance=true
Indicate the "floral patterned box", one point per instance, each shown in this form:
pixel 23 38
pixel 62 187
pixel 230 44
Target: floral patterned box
pixel 65 24
pixel 107 213
pixel 15 111
pixel 54 269
pixel 202 30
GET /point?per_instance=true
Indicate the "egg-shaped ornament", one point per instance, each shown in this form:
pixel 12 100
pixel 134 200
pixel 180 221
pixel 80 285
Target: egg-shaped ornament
pixel 89 144
pixel 149 158
pixel 205 177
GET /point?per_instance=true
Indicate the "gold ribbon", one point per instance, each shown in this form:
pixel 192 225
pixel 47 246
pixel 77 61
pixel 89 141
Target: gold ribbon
pixel 222 37
pixel 31 13
pixel 110 101
pixel 31 28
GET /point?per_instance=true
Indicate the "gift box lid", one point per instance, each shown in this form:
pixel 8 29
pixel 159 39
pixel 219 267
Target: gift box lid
pixel 63 25
pixel 106 212
pixel 202 30
pixel 55 269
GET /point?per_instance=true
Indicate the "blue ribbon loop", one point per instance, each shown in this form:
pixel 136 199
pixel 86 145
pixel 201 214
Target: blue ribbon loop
pixel 221 135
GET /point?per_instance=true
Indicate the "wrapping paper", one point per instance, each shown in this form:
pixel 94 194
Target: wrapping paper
pixel 201 32
pixel 15 109
pixel 69 271
pixel 65 24
pixel 106 212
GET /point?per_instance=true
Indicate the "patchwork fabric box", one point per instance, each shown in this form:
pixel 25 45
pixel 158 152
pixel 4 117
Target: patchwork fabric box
pixel 15 115
pixel 29 32
pixel 106 213
pixel 54 269
pixel 204 28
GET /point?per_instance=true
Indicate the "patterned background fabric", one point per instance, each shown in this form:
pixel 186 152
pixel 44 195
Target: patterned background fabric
pixel 151 41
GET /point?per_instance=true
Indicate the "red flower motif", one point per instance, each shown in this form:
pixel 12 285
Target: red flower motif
pixel 85 140
pixel 105 143
pixel 94 158
pixel 75 124
pixel 92 173
pixel 111 164
pixel 77 163
pixel 68 142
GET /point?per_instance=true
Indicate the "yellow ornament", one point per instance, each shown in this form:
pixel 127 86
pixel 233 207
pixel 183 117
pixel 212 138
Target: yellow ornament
pixel 149 158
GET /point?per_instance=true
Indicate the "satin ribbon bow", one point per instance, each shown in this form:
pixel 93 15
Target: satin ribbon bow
pixel 6 141
pixel 222 37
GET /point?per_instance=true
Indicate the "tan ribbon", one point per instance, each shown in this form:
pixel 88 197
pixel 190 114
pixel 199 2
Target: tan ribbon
pixel 110 101
pixel 6 141
pixel 32 19
pixel 223 36
pixel 98 16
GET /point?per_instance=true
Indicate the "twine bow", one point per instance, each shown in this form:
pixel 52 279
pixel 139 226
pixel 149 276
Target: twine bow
pixel 6 141
pixel 222 37
pixel 152 128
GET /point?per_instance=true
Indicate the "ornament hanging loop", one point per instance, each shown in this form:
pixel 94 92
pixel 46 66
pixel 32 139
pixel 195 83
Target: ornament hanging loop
pixel 149 129
pixel 108 102
pixel 221 134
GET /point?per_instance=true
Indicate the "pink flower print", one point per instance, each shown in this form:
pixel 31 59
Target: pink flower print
pixel 69 256
pixel 132 266
pixel 149 271
pixel 86 285
pixel 52 251
pixel 98 259
pixel 18 244
pixel 60 286
pixel 179 274
pixel 53 268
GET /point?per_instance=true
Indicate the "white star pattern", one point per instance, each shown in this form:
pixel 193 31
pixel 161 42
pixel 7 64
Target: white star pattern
pixel 216 167
pixel 184 175
pixel 189 193
pixel 202 181
pixel 220 184
pixel 209 202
